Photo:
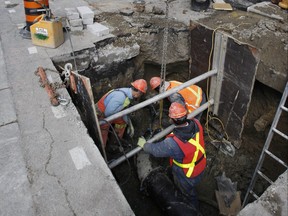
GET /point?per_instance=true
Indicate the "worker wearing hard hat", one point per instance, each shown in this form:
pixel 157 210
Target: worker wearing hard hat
pixel 186 149
pixel 116 100
pixel 193 96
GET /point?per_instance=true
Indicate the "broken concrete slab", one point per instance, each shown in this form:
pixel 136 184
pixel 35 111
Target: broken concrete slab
pixel 267 9
pixel 272 202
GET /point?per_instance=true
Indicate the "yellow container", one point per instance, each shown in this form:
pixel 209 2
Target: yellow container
pixel 47 33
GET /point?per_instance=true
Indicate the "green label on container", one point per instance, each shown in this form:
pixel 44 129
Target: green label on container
pixel 41 33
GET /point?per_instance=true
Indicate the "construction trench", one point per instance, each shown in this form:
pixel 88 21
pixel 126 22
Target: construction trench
pixel 241 110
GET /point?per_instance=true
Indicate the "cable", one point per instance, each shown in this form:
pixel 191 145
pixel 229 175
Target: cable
pixel 208 117
pixel 74 58
pixel 122 150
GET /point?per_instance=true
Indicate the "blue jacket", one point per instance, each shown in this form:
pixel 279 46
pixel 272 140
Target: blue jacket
pixel 115 100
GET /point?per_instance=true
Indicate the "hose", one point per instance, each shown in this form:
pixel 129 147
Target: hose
pixel 122 150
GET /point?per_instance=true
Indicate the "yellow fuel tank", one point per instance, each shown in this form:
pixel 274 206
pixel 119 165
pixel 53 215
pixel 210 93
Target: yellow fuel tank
pixel 47 33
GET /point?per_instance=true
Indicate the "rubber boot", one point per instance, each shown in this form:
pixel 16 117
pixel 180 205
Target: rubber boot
pixel 283 4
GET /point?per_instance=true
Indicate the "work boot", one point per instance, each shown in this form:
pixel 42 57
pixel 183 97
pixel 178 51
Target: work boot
pixel 283 4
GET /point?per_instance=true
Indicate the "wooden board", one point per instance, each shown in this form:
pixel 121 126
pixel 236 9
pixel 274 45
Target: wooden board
pixel 222 6
pixel 84 102
pixel 235 206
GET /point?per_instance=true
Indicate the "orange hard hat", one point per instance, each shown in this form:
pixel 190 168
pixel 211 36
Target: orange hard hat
pixel 177 110
pixel 155 82
pixel 140 85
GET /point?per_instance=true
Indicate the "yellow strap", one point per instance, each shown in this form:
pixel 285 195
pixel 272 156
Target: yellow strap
pixel 191 166
pixel 126 102
pixel 120 126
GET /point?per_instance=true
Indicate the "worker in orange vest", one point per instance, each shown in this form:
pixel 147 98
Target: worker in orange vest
pixel 193 96
pixel 186 148
pixel 116 100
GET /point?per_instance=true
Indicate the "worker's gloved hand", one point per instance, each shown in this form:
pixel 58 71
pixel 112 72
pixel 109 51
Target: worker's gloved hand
pixel 141 141
pixel 130 129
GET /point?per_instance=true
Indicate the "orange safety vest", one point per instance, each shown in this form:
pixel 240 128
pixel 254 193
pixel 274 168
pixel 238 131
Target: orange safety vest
pixel 194 161
pixel 192 95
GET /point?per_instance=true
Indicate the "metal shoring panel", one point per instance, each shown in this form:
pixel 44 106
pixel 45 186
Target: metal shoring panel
pixel 160 96
pixel 218 64
pixel 158 135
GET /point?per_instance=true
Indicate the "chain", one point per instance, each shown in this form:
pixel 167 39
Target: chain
pixel 163 62
pixel 164 49
pixel 54 85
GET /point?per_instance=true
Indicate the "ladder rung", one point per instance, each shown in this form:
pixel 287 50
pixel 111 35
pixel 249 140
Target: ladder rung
pixel 265 177
pixel 280 133
pixel 276 158
pixel 254 194
pixel 284 108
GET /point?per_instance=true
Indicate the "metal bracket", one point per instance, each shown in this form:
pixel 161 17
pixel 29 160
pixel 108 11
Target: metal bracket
pixel 219 54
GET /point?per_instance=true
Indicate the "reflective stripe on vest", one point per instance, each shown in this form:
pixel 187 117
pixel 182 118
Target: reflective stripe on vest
pixel 120 126
pixel 192 95
pixel 190 166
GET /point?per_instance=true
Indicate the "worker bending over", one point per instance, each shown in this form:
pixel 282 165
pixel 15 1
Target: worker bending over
pixel 193 96
pixel 113 102
pixel 186 149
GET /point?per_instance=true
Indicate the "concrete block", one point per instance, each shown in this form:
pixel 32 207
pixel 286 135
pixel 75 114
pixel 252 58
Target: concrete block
pixel 75 22
pixel 88 21
pixel 72 13
pixel 85 12
pixel 98 29
pixel 76 28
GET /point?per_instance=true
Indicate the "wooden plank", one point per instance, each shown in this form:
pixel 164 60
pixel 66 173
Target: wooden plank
pixel 234 208
pixel 84 102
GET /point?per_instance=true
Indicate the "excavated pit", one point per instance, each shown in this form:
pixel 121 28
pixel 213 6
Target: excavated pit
pixel 145 63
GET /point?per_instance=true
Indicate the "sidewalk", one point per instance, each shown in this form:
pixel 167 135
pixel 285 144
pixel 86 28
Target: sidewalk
pixel 48 163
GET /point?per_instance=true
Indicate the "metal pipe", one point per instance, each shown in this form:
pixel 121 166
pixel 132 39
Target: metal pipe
pixel 160 96
pixel 159 135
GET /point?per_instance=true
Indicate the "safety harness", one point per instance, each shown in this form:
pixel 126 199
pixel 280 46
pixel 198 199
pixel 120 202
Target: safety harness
pixel 188 164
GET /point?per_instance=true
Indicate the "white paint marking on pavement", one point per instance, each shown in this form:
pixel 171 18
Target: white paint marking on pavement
pixel 11 11
pixel 79 157
pixel 59 111
pixel 32 50
pixel 7 2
